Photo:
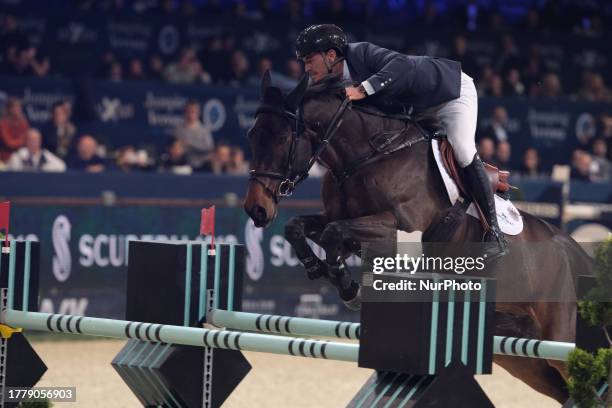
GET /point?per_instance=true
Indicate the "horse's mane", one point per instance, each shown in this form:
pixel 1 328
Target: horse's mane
pixel 330 85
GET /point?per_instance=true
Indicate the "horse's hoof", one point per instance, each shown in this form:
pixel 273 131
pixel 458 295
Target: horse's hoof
pixel 355 302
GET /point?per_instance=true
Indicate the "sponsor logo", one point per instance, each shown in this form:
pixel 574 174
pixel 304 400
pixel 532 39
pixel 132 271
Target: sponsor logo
pixel 112 110
pixel 168 39
pixel 62 261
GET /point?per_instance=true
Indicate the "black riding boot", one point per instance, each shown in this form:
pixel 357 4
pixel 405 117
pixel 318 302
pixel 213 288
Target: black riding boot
pixel 478 185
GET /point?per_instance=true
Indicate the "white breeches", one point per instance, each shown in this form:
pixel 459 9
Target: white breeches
pixel 459 119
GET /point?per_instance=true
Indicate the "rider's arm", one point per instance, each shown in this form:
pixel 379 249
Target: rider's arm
pixel 394 71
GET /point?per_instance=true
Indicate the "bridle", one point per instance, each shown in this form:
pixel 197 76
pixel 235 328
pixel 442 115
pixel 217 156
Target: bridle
pixel 289 181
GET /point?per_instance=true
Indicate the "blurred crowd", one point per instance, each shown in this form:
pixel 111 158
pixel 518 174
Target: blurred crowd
pixel 513 72
pixel 59 146
pixel 590 161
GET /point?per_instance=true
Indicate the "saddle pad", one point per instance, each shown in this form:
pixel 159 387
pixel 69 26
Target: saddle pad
pixel 508 217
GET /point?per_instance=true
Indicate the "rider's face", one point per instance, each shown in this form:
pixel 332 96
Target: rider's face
pixel 314 64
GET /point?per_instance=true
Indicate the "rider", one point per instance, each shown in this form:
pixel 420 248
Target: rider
pixel 431 85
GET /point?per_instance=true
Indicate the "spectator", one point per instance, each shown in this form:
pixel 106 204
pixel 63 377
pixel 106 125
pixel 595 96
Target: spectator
pixel 13 129
pixel 594 89
pixel 294 11
pixel 509 56
pixel 86 157
pixel 174 159
pixel 514 86
pixel 136 70
pixel 28 64
pixel 551 87
pixel 483 82
pixel 187 69
pixel 294 69
pixel 499 125
pixel 531 164
pixel 195 136
pixel 129 159
pixel 460 53
pixel 237 163
pixel 156 67
pixel 279 80
pixel 11 41
pixel 601 167
pixel 33 157
pixel 239 69
pixel 58 134
pixel 221 161
pixel 503 154
pixel 486 149
pixel 115 72
pixel 581 165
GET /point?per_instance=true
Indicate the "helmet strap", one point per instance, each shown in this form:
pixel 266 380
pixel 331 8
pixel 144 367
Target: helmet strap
pixel 328 65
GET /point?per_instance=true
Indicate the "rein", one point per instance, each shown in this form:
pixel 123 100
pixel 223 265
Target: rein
pixel 290 181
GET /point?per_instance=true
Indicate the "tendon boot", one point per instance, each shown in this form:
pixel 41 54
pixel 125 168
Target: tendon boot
pixel 477 182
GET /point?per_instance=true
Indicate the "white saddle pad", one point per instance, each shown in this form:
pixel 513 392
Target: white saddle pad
pixel 508 217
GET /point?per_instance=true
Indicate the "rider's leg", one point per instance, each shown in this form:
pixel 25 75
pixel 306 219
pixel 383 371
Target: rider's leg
pixel 459 117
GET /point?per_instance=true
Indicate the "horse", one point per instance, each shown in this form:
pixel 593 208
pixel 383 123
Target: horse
pixel 368 195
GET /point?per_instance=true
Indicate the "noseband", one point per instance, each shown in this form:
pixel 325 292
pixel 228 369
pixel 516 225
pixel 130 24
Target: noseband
pixel 289 181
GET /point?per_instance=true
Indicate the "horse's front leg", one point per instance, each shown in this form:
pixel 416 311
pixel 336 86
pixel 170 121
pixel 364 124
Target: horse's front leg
pixel 340 237
pixel 297 229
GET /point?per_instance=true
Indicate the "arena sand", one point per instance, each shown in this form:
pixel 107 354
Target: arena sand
pixel 275 381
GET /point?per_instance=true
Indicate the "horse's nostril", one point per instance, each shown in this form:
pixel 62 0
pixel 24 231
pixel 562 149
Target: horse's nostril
pixel 259 214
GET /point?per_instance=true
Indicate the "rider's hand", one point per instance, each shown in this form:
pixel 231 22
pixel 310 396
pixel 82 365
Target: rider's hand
pixel 354 93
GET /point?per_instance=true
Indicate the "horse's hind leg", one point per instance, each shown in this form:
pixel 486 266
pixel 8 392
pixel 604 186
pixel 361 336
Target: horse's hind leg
pixel 339 238
pixel 297 229
pixel 536 373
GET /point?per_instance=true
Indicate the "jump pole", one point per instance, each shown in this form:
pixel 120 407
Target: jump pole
pixel 543 349
pixel 188 336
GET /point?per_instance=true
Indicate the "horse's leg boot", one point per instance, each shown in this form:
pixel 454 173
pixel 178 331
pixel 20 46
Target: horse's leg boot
pixel 477 182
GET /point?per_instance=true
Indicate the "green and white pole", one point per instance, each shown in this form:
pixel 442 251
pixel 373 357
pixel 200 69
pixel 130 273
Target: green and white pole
pixel 543 349
pixel 189 336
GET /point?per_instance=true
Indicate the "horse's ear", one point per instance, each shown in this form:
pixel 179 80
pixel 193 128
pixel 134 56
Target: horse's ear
pixel 295 97
pixel 266 80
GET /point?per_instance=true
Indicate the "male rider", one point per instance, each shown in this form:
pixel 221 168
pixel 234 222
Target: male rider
pixel 435 86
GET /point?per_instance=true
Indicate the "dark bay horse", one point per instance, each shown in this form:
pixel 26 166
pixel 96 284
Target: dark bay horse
pixel 368 200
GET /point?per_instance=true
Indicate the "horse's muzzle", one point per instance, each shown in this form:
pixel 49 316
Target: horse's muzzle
pixel 258 215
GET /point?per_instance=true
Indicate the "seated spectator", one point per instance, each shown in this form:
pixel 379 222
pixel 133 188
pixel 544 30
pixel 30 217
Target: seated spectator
pixel 279 80
pixel 115 72
pixel 237 163
pixel 594 89
pixel 27 63
pixel 503 154
pixel 13 129
pixel 136 70
pixel 155 69
pixel 196 137
pixel 186 70
pixel 514 86
pixel 221 160
pixel 499 124
pixel 86 157
pixel 12 39
pixel 581 165
pixel 129 159
pixel 531 164
pixel 601 167
pixel 294 70
pixel 239 69
pixel 59 132
pixel 33 157
pixel 486 149
pixel 174 159
pixel 551 87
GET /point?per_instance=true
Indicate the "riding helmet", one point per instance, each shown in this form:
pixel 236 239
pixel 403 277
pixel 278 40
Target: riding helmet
pixel 320 38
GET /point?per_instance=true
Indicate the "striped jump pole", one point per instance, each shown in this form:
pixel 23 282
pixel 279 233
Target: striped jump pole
pixel 189 336
pixel 513 346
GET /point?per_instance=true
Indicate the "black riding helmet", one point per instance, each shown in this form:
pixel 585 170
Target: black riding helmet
pixel 320 38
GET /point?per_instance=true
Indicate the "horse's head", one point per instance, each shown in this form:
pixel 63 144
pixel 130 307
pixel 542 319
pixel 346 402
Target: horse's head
pixel 277 154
